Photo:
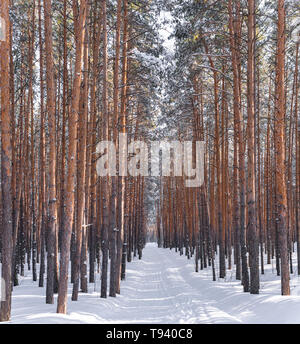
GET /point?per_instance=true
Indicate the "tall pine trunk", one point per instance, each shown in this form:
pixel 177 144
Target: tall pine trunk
pixel 251 197
pixel 79 29
pixel 52 152
pixel 6 168
pixel 281 195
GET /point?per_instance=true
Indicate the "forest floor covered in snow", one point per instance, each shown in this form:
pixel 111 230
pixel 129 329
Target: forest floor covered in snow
pixel 163 288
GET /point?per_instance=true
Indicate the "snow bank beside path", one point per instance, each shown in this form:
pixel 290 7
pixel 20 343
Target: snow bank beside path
pixel 163 288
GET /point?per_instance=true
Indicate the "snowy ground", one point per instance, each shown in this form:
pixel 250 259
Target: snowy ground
pixel 163 288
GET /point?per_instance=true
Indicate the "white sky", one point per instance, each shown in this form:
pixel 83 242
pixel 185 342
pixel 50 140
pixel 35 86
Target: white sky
pixel 166 30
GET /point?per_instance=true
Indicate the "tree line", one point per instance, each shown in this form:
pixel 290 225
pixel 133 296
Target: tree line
pixel 69 79
pixel 235 85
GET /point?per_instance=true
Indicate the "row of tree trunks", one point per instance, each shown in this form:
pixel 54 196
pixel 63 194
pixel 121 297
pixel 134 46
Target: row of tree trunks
pixel 256 188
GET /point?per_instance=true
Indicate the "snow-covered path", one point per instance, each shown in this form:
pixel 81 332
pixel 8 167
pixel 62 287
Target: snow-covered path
pixel 163 288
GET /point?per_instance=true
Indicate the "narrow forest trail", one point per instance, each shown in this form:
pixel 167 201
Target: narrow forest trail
pixel 163 288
